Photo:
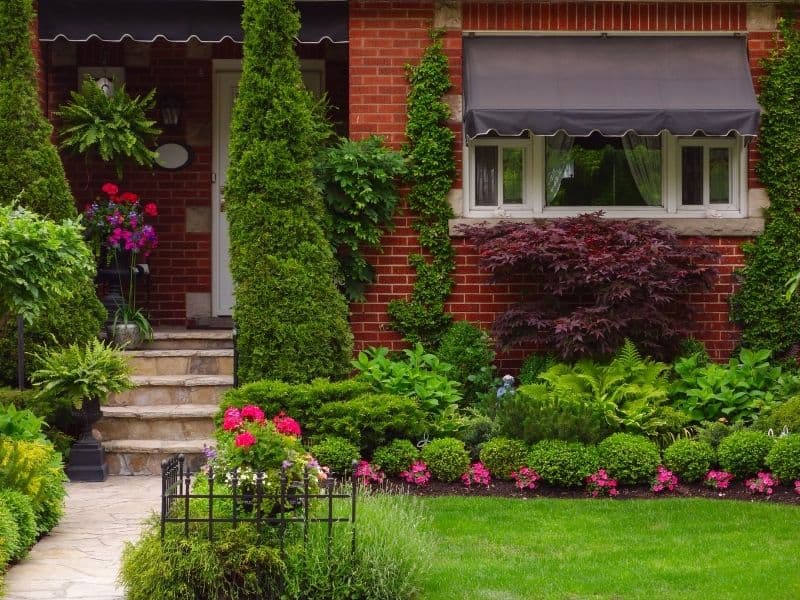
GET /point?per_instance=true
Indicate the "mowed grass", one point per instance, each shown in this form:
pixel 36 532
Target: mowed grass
pixel 508 549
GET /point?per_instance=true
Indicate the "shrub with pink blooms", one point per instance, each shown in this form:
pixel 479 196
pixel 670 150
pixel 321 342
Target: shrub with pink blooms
pixel 797 487
pixel 525 479
pixel 763 483
pixel 369 474
pixel 665 480
pixel 117 221
pixel 719 480
pixel 601 484
pixel 417 474
pixel 477 474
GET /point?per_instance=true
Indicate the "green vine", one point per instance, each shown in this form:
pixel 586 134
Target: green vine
pixel 769 318
pixel 432 167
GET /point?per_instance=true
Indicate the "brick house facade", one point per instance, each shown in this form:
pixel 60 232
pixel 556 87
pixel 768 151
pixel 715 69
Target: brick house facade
pixel 366 80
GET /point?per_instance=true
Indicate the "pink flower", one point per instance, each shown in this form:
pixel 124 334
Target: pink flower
pixel 719 480
pixel 763 483
pixel 232 419
pixel 525 479
pixel 150 209
pixel 477 473
pixel 129 197
pixel 600 483
pixel 797 487
pixel 665 480
pixel 245 440
pixel 253 413
pixel 418 474
pixel 286 425
pixel 368 474
pixel 110 189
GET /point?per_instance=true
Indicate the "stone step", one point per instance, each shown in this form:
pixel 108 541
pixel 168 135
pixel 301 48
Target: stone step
pixel 158 390
pixel 181 362
pixel 168 422
pixel 144 457
pixel 190 339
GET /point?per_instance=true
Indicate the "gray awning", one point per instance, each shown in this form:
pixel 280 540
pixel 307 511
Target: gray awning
pixel 175 20
pixel 614 84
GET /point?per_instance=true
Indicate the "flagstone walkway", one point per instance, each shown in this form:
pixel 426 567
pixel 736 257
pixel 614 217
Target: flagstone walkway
pixel 81 556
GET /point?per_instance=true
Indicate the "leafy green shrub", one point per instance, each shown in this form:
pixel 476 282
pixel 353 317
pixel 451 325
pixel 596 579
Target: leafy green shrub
pixel 420 375
pixel 447 458
pixel 784 458
pixel 743 452
pixel 690 460
pixel 336 453
pixel 21 508
pixel 239 564
pixel 769 319
pixel 629 458
pixel 394 551
pixel 20 424
pixel 10 546
pixel 291 319
pixel 58 414
pixel 32 176
pixel 79 373
pixel 787 415
pixel 563 463
pixel 502 456
pixel 738 391
pixel 713 432
pixel 34 468
pixel 359 183
pixel 395 457
pixel 533 366
pixel 470 351
pixel 537 412
pixel 476 429
pixel 371 420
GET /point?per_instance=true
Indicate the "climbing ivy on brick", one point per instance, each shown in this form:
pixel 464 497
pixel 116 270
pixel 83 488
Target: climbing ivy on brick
pixel 429 150
pixel 292 321
pixel 768 318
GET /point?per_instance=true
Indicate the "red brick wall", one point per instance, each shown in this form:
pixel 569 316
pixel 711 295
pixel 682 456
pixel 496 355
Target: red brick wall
pixel 385 35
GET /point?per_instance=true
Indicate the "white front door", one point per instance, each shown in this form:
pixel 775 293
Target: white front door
pixel 226 83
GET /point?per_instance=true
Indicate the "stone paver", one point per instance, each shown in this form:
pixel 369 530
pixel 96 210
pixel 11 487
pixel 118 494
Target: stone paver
pixel 81 556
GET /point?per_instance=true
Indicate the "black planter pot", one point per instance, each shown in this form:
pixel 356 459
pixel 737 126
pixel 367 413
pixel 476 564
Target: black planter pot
pixel 115 273
pixel 87 459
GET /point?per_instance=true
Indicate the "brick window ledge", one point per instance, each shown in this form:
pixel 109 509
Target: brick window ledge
pixel 747 227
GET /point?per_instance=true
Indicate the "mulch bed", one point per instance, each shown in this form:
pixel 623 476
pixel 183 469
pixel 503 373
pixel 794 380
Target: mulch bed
pixel 505 489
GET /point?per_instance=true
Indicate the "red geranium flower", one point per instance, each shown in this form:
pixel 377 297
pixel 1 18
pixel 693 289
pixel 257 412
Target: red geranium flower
pixel 110 189
pixel 129 197
pixel 245 440
pixel 253 413
pixel 150 209
pixel 286 425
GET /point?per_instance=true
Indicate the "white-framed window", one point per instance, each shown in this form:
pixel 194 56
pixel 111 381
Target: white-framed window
pixel 628 176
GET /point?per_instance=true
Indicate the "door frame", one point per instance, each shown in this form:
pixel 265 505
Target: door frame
pixel 221 66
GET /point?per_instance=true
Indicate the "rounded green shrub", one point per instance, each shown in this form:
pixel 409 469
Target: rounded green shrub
pixel 336 453
pixel 629 458
pixel 470 351
pixel 447 459
pixel 502 456
pixel 10 546
pixel 713 432
pixel 788 415
pixel 21 508
pixel 395 457
pixel 743 452
pixel 783 458
pixel 563 463
pixel 690 460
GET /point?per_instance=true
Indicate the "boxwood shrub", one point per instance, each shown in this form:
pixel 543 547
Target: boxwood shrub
pixel 783 458
pixel 502 456
pixel 743 453
pixel 337 453
pixel 447 459
pixel 629 458
pixel 563 463
pixel 690 460
pixel 395 457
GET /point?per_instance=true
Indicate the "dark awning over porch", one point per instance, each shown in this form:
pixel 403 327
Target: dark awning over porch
pixel 613 85
pixel 175 20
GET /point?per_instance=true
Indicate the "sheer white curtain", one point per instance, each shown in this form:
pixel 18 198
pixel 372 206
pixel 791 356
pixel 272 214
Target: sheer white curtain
pixel 558 162
pixel 643 154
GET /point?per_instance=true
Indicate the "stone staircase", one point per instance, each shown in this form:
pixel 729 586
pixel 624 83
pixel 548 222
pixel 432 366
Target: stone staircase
pixel 180 377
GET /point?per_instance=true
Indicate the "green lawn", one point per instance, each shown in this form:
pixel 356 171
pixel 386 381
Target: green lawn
pixel 504 549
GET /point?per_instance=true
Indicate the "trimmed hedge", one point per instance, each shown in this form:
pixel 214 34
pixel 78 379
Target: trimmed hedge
pixel 690 460
pixel 629 458
pixel 447 459
pixel 744 453
pixel 563 463
pixel 292 321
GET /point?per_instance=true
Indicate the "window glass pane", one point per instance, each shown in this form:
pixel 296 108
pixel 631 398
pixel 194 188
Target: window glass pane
pixel 692 175
pixel 485 175
pixel 602 171
pixel 719 175
pixel 513 167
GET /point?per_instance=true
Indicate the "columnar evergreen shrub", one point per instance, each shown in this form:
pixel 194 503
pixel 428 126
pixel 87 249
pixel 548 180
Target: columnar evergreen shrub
pixel 770 319
pixel 31 174
pixel 292 320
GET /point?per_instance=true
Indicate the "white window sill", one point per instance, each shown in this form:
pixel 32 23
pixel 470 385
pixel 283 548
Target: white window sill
pixel 685 226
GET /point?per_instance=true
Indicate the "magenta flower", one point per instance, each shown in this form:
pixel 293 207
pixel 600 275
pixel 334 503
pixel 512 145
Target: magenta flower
pixel 719 480
pixel 478 474
pixel 665 480
pixel 367 474
pixel 286 425
pixel 245 440
pixel 525 479
pixel 232 419
pixel 417 474
pixel 253 413
pixel 763 483
pixel 600 484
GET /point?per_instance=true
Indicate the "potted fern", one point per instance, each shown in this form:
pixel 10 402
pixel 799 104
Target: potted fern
pixel 84 376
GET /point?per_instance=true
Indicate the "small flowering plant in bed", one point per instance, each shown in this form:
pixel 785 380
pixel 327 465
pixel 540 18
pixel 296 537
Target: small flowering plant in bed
pixel 249 443
pixel 477 474
pixel 601 484
pixel 665 481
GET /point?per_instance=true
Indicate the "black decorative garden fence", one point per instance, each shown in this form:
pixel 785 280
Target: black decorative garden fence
pixel 254 501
